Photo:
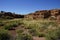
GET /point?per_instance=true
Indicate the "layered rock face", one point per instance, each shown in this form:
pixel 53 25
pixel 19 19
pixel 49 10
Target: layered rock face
pixel 55 12
pixel 43 14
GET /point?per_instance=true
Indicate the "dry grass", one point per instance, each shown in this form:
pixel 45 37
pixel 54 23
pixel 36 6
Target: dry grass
pixel 37 28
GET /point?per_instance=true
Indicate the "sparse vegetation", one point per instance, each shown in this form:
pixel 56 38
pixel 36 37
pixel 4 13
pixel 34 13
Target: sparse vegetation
pixel 35 32
pixel 20 31
pixel 24 37
pixel 37 28
pixel 4 35
pixel 53 34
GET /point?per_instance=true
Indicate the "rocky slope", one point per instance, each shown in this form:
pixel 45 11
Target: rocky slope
pixel 43 14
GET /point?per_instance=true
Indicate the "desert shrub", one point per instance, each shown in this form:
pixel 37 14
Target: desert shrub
pixel 4 35
pixel 39 27
pixel 49 23
pixel 24 37
pixel 53 34
pixel 20 31
pixel 43 26
pixel 19 22
pixel 36 32
pixel 46 25
pixel 31 24
pixel 1 24
pixel 52 23
pixel 8 17
pixel 15 24
pixel 10 26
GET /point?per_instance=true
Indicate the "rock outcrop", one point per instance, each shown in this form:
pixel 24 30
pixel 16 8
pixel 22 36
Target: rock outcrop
pixel 43 14
pixel 9 15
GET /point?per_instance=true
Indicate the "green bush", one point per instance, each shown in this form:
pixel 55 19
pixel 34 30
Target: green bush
pixel 53 34
pixel 10 26
pixel 24 37
pixel 4 35
pixel 14 24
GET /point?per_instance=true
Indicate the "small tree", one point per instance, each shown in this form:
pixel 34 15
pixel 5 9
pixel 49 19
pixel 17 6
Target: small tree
pixel 2 11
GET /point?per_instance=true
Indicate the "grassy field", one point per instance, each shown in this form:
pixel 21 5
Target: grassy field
pixel 26 29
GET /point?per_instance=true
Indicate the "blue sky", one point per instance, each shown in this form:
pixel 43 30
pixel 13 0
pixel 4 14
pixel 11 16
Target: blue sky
pixel 28 6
